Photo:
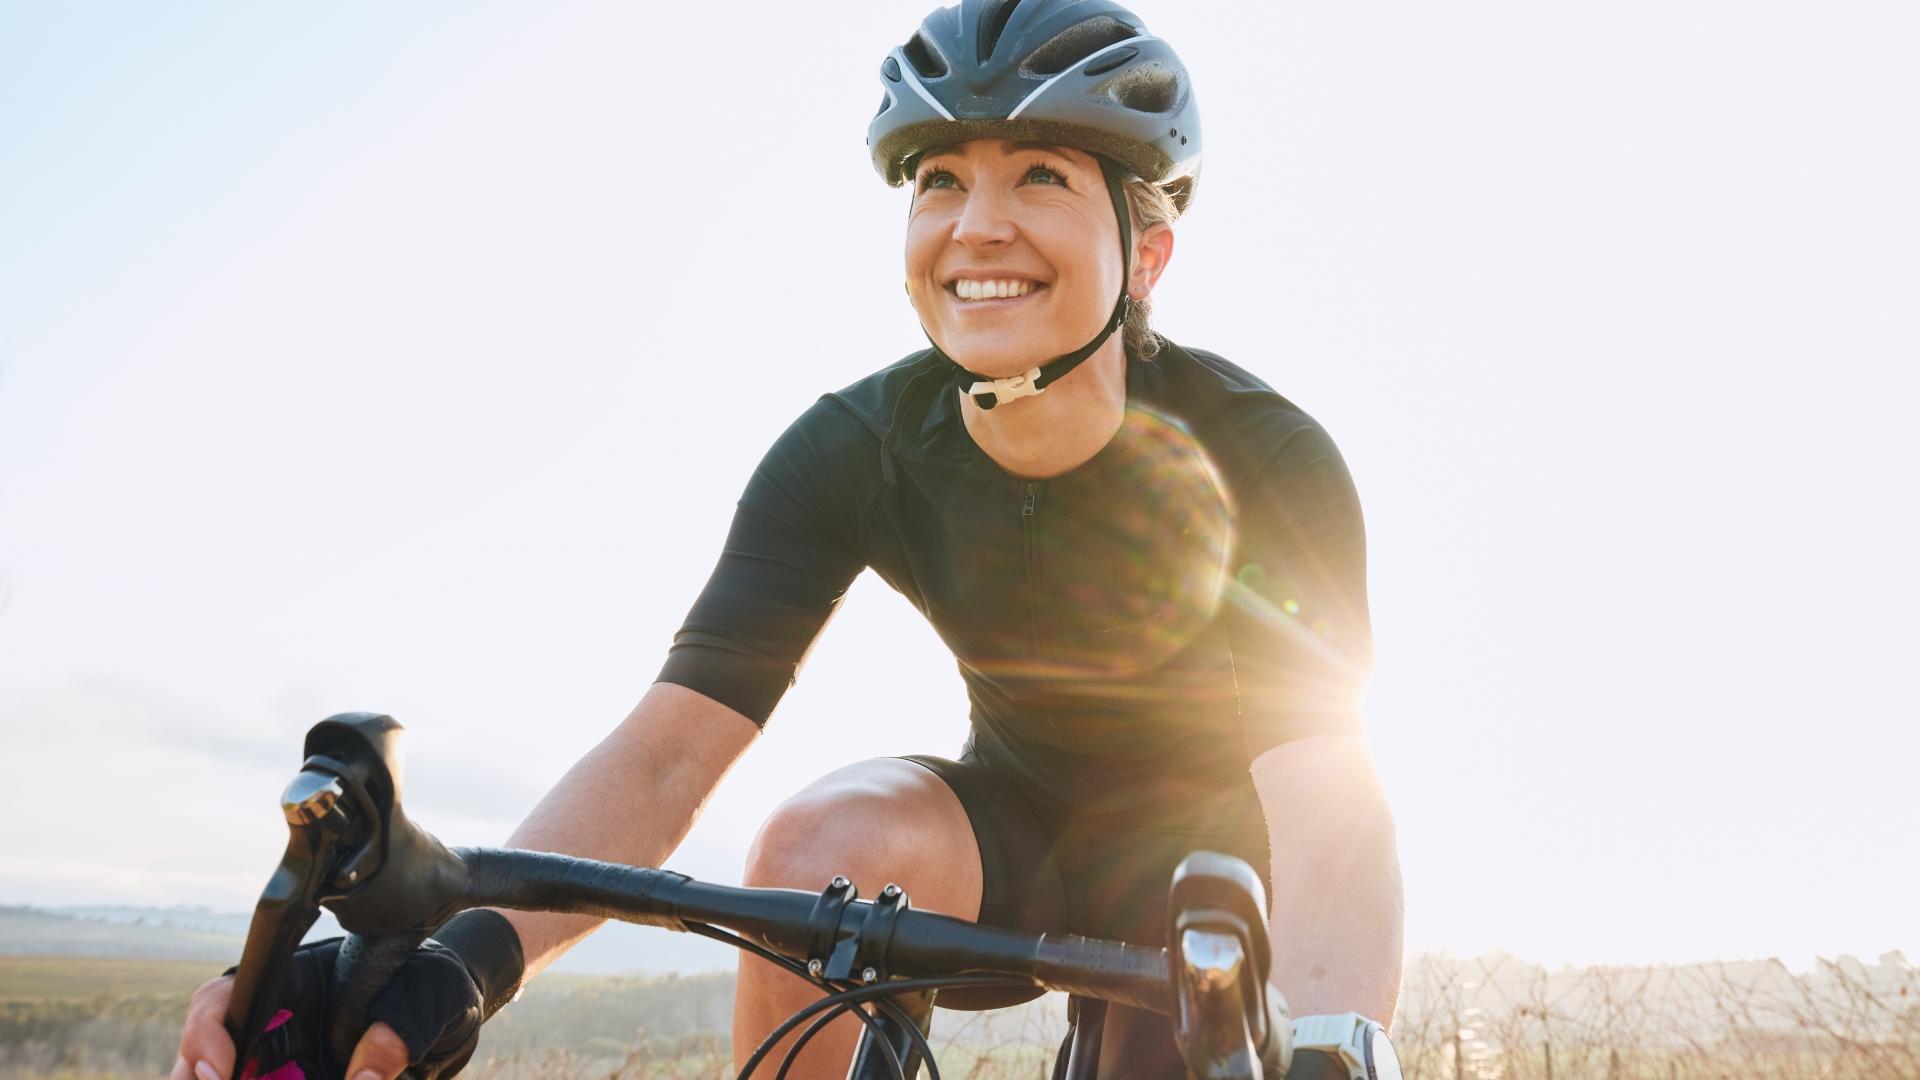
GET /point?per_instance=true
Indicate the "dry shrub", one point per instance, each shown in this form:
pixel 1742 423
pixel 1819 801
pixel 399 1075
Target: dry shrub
pixel 1493 1018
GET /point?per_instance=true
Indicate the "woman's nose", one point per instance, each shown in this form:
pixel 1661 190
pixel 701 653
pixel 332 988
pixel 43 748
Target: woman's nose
pixel 983 221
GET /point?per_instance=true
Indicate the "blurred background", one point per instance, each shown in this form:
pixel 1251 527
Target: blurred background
pixel 411 358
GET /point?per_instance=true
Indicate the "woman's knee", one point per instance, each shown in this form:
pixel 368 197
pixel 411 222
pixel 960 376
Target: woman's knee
pixel 877 822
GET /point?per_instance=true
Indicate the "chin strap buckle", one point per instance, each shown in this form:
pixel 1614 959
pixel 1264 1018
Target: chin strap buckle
pixel 1012 388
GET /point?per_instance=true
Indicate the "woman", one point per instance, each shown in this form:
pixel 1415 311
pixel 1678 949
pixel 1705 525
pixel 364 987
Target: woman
pixel 1148 565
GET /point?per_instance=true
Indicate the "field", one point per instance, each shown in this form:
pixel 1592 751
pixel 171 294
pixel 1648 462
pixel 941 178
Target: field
pixel 91 1018
pixel 42 978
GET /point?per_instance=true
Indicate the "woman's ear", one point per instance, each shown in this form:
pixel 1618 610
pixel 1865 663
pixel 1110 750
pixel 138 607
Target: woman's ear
pixel 1151 253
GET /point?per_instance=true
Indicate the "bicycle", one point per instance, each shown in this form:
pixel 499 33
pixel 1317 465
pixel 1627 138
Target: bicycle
pixel 352 849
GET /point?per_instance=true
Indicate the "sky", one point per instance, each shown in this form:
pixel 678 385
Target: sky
pixel 411 358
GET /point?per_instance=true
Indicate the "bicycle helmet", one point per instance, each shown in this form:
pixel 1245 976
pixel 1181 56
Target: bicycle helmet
pixel 1078 73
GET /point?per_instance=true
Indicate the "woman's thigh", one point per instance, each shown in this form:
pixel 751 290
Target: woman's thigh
pixel 962 841
pixel 1020 881
pixel 877 822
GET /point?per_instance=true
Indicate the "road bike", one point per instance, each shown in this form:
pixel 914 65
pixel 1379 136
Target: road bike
pixel 352 849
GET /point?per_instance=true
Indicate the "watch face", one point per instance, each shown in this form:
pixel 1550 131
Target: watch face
pixel 1382 1063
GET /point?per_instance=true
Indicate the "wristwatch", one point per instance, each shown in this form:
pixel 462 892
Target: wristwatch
pixel 1346 1046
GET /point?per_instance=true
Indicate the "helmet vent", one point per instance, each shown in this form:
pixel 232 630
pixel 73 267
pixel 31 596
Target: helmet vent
pixel 1076 43
pixel 998 13
pixel 926 59
pixel 1151 87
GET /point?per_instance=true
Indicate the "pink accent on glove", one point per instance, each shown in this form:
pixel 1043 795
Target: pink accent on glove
pixel 288 1071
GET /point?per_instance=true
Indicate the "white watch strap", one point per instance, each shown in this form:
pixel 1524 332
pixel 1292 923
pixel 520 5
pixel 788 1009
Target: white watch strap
pixel 1341 1034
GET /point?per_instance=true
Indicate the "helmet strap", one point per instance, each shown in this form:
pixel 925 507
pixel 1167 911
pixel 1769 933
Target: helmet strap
pixel 987 392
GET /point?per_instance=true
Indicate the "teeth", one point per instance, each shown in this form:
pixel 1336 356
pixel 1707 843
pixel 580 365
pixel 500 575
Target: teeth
pixel 968 289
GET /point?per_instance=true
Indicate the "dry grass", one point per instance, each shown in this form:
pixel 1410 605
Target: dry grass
pixel 1500 1019
pixel 1488 1019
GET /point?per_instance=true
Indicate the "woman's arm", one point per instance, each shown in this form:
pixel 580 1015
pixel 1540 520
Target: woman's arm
pixel 787 562
pixel 1337 908
pixel 631 799
pixel 1302 651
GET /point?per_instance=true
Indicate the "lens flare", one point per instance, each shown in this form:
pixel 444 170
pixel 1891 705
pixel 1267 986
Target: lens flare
pixel 1128 557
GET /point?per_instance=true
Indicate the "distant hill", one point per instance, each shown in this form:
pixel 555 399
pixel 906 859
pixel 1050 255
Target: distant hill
pixel 152 935
pixel 200 919
pixel 194 933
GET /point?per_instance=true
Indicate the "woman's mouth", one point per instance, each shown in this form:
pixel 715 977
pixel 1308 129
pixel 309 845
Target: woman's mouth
pixel 970 291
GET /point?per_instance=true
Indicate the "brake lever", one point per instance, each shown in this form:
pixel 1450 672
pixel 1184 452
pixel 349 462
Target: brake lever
pixel 352 849
pixel 320 825
pixel 1230 1024
pixel 1233 1018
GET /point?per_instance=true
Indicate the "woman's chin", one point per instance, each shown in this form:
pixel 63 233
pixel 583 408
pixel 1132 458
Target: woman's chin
pixel 996 359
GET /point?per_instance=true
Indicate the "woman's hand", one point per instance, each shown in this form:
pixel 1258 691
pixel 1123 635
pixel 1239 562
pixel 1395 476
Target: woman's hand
pixel 429 1017
pixel 206 1050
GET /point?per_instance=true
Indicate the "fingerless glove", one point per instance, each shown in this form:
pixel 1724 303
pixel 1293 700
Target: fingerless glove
pixel 436 1002
pixel 490 947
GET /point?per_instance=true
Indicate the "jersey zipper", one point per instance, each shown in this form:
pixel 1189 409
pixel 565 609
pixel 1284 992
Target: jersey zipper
pixel 1028 529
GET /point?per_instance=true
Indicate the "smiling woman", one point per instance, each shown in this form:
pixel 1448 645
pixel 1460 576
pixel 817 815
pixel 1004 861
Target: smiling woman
pixel 1044 76
pixel 1015 249
pixel 356 355
pixel 1147 206
pixel 1151 576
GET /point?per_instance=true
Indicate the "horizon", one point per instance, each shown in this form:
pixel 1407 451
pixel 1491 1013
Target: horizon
pixel 411 360
pixel 587 959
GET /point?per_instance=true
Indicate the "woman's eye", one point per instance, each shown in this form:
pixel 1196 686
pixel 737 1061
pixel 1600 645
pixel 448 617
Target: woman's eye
pixel 1041 174
pixel 937 178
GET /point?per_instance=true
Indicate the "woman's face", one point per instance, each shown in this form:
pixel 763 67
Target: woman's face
pixel 1013 252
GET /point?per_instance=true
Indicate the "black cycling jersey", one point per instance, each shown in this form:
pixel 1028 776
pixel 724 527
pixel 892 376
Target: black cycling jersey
pixel 1131 633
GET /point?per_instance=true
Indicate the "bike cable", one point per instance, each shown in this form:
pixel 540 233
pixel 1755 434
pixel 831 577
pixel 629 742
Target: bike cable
pixel 860 995
pixel 845 998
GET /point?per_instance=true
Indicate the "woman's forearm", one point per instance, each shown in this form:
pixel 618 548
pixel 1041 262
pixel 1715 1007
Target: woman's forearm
pixel 1337 906
pixel 631 799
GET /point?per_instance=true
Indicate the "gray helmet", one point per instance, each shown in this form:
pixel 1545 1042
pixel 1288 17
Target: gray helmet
pixel 1079 73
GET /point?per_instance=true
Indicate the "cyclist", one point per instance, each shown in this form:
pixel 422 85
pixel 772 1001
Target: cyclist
pixel 1149 567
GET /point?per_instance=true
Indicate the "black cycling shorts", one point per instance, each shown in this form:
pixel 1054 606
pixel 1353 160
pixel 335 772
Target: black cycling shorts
pixel 1099 877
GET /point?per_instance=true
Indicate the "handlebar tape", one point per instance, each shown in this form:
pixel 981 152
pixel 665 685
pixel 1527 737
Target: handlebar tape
pixel 490 947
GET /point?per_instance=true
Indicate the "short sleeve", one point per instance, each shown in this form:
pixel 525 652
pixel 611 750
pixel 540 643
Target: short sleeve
pixel 1297 601
pixel 789 558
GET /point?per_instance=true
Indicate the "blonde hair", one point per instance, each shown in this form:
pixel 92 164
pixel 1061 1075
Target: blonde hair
pixel 1149 205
